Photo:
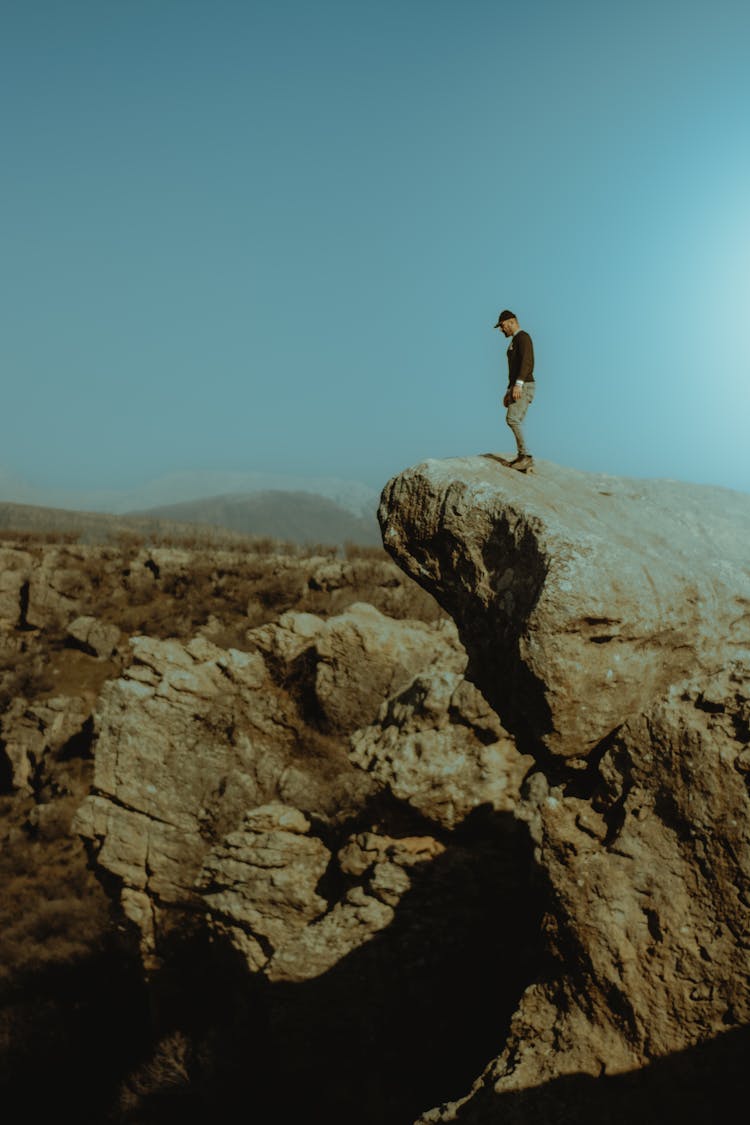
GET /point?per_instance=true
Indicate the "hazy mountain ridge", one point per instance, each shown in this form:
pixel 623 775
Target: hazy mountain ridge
pixel 179 487
pixel 296 516
pixel 299 517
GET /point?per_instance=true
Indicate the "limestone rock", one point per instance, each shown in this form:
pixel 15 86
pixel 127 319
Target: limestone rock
pixel 381 864
pixel 439 746
pixel 650 877
pixel 58 586
pixel 284 640
pixel 365 657
pixel 579 597
pixel 353 661
pixel 31 731
pixel 204 801
pixel 185 744
pixel 608 621
pixel 199 797
pixel 15 568
pixel 95 636
pixel 261 878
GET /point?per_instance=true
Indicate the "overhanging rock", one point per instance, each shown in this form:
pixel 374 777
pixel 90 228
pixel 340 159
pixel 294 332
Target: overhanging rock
pixel 580 597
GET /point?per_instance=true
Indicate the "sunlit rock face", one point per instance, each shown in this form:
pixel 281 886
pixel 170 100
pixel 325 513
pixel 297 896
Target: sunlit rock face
pixel 214 797
pixel 580 598
pixel 607 621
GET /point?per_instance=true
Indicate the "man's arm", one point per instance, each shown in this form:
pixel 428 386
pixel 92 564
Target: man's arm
pixel 523 362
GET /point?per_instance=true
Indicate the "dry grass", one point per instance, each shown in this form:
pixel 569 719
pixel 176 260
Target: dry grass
pixel 37 538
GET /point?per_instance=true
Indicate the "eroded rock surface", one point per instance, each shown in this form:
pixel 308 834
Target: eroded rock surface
pixel 579 597
pixel 213 796
pixel 29 732
pixel 350 663
pixel 607 620
pixel 441 748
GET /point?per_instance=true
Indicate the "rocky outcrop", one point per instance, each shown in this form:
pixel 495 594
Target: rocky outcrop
pixel 607 621
pixel 440 748
pixel 284 889
pixel 214 797
pixel 15 568
pixel 350 663
pixel 94 636
pixel 189 740
pixel 31 732
pixel 579 598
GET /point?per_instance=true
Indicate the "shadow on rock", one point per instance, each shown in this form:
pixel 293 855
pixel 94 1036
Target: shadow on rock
pixel 704 1084
pixel 402 1023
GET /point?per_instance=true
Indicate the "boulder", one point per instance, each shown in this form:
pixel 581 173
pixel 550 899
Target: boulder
pixel 349 663
pixel 58 586
pixel 94 636
pixel 207 802
pixel 438 746
pixel 31 731
pixel 579 597
pixel 191 742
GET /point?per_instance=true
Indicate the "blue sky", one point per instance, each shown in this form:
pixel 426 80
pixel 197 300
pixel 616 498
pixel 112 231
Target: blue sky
pixel 275 236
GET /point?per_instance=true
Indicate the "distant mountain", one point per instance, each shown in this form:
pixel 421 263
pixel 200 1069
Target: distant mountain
pixel 294 517
pixel 177 488
pixel 298 517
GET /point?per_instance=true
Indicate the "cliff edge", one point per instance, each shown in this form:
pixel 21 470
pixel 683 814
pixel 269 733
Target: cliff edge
pixel 579 597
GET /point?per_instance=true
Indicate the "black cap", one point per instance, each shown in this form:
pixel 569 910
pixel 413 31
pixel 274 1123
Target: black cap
pixel 506 314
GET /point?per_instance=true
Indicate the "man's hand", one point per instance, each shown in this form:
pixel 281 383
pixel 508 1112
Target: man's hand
pixel 515 392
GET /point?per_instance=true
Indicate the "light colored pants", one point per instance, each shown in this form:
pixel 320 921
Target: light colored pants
pixel 516 414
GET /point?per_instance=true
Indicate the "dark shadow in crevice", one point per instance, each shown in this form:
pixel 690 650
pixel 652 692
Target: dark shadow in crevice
pixel 80 744
pixel 406 1021
pixel 7 784
pixel 79 646
pixel 23 625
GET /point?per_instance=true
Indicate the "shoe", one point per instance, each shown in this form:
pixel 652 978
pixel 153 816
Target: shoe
pixel 523 462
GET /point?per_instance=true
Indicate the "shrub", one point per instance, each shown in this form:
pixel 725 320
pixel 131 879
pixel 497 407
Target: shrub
pixel 166 1072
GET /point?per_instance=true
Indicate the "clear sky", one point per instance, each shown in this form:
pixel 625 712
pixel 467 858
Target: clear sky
pixel 274 235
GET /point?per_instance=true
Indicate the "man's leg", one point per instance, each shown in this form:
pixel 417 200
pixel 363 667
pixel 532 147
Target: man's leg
pixel 516 414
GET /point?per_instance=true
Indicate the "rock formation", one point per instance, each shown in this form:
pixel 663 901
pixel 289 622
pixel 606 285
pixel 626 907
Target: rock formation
pixel 209 796
pixel 608 622
pixel 264 868
pixel 355 868
pixel 579 598
pixel 31 732
pixel 356 659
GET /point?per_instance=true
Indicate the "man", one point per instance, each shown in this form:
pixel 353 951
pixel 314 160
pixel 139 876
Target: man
pixel 520 392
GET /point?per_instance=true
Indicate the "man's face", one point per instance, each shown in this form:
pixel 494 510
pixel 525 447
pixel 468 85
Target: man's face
pixel 507 327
